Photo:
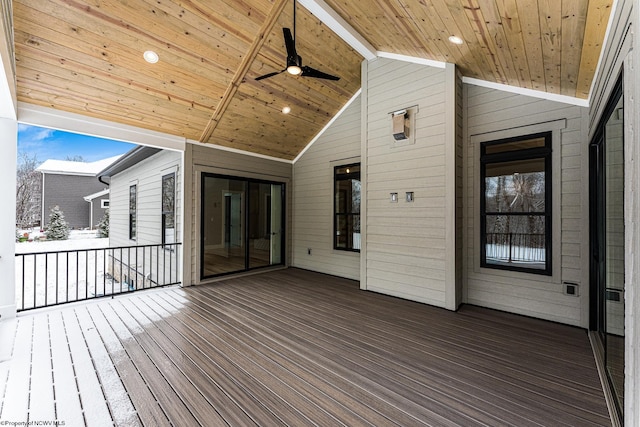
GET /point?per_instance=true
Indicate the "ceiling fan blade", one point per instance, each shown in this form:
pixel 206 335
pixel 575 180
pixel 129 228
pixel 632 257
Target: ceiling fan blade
pixel 311 72
pixel 289 42
pixel 266 76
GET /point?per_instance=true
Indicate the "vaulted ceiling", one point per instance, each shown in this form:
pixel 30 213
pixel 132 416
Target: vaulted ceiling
pixel 85 57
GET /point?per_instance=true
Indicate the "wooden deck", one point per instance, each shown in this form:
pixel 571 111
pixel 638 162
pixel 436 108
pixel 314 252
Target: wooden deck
pixel 294 348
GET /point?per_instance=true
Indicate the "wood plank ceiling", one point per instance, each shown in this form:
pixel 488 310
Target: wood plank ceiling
pixel 85 57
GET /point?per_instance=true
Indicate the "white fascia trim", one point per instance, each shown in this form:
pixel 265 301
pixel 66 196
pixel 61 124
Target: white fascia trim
pixel 237 151
pixel 56 119
pixel 605 41
pixel 412 59
pixel 342 28
pixel 324 129
pixel 528 92
pixel 90 197
pixel 59 172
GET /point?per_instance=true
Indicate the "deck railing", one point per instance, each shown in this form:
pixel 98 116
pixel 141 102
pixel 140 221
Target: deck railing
pixel 46 279
pixel 516 247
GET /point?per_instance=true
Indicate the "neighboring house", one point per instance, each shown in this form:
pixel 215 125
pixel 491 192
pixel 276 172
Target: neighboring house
pixel 70 185
pixel 144 207
pixel 98 204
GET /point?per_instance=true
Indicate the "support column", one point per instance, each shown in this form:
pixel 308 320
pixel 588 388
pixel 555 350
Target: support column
pixel 632 230
pixel 8 145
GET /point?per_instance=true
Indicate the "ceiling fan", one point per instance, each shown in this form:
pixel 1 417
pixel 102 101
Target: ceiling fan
pixel 294 61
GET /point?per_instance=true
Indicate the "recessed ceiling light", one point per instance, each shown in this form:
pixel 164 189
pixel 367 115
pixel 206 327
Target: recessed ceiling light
pixel 286 110
pixel 150 56
pixel 456 40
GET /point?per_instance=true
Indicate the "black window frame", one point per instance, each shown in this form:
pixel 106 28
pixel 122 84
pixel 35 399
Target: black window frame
pixel 165 213
pixel 246 210
pixel 344 177
pixel 536 153
pixel 133 211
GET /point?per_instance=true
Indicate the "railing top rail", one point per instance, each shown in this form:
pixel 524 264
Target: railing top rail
pixel 101 249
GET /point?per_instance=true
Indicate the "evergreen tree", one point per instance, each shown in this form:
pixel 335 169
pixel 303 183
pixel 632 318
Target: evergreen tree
pixel 58 228
pixel 103 225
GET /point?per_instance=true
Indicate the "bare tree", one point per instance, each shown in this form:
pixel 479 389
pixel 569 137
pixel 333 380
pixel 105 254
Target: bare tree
pixel 27 191
pixel 76 158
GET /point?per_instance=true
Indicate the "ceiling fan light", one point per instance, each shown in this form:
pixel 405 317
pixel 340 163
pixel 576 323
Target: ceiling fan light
pixel 294 69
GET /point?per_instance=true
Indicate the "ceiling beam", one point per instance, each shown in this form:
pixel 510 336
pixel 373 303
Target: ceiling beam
pixel 342 28
pixel 242 70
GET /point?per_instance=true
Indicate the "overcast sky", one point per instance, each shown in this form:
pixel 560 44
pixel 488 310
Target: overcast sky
pixel 54 144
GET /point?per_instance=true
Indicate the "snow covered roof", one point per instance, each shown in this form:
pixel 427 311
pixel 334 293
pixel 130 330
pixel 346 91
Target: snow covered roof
pixel 90 197
pixel 66 167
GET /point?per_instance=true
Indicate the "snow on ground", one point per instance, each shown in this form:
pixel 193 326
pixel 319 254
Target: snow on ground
pixel 66 276
pixel 78 239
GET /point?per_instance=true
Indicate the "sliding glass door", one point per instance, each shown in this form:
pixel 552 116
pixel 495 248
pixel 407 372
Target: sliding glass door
pixel 242 224
pixel 607 242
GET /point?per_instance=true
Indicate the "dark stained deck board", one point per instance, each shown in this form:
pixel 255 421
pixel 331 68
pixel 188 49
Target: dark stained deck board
pixel 321 382
pixel 422 407
pixel 143 399
pixel 206 401
pixel 516 392
pixel 527 359
pixel 239 403
pixel 296 348
pixel 177 412
pixel 278 381
pixel 255 351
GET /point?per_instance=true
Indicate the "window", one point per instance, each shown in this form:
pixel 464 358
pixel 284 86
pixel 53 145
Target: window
pixel 168 208
pixel 133 207
pixel 515 204
pixel 346 207
pixel 104 203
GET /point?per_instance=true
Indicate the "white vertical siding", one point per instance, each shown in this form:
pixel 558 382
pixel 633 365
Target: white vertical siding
pixel 313 197
pixel 493 114
pixel 148 175
pixel 632 236
pixel 406 242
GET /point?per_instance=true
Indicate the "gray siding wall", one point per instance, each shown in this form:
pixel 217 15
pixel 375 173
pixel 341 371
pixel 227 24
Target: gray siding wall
pixel 147 175
pixel 492 114
pixel 409 248
pixel 199 159
pixel 313 197
pixel 98 212
pixel 68 192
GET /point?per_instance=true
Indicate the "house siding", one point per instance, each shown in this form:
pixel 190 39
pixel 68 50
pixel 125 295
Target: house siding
pixel 211 160
pixel 407 243
pixel 68 192
pixel 147 175
pixel 97 211
pixel 313 197
pixel 492 114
